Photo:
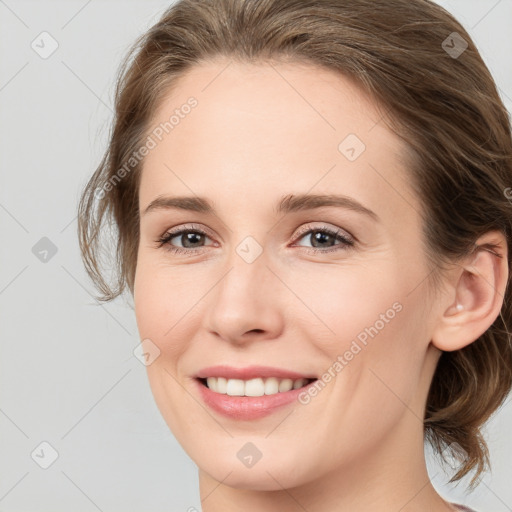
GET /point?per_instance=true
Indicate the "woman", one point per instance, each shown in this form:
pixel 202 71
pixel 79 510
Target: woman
pixel 247 135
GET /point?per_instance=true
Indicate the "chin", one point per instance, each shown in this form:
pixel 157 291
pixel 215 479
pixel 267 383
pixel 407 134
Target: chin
pixel 253 481
pixel 271 475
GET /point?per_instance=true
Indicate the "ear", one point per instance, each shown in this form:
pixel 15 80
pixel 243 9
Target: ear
pixel 475 300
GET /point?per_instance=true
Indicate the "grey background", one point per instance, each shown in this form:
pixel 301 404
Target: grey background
pixel 68 376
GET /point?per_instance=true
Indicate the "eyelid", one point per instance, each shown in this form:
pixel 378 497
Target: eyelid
pixel 170 233
pixel 191 226
pixel 345 239
pixel 306 228
pixel 323 226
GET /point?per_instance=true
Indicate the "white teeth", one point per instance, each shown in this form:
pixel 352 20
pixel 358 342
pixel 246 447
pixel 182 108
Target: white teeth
pixel 271 386
pixel 298 383
pixel 253 387
pixel 235 387
pixel 211 382
pixel 222 385
pixel 285 385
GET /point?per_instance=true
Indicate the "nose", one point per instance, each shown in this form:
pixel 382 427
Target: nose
pixel 245 305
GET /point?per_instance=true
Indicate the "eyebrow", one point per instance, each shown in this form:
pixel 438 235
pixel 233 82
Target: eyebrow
pixel 287 204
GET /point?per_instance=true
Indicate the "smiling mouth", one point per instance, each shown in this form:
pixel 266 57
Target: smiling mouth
pixel 253 387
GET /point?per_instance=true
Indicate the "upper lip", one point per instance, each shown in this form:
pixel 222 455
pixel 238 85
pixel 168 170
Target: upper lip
pixel 250 372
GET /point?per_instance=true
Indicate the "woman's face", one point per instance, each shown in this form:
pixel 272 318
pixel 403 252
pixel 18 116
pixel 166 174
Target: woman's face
pixel 260 286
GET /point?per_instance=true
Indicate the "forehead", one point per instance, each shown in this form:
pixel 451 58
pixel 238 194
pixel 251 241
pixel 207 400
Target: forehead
pixel 276 103
pixel 269 128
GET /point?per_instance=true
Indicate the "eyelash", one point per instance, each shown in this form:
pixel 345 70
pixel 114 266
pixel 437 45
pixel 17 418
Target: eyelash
pixel 346 242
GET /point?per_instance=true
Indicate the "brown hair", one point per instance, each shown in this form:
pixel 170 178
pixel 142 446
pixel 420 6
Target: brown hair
pixel 444 106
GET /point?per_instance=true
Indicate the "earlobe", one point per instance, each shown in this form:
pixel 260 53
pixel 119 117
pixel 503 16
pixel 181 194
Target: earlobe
pixel 478 296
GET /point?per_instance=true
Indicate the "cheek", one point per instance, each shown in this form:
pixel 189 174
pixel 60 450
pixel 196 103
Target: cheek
pixel 161 298
pixel 371 329
pixel 347 302
pixel 164 316
pixel 383 368
pixel 168 311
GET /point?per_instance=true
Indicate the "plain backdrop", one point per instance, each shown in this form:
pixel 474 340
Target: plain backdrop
pixel 72 395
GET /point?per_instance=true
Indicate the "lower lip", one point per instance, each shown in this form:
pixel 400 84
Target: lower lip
pixel 248 407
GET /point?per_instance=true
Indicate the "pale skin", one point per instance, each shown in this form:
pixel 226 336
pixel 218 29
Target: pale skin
pixel 258 133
